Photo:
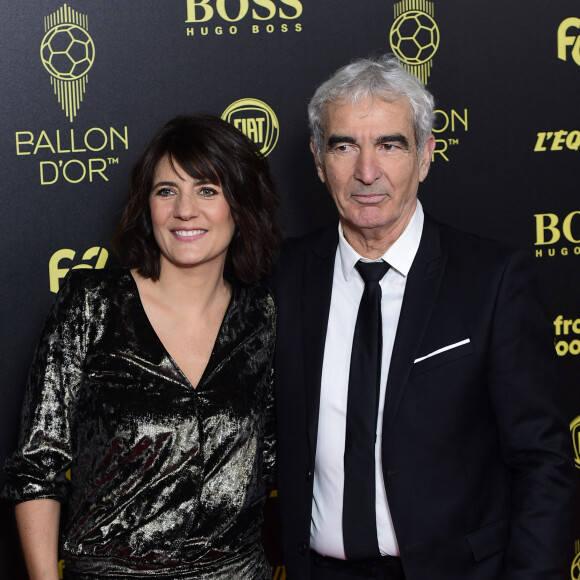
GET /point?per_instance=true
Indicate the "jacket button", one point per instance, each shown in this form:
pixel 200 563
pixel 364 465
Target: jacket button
pixel 302 548
pixel 309 475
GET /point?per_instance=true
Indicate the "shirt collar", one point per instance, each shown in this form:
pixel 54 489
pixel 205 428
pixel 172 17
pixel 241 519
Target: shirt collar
pixel 400 255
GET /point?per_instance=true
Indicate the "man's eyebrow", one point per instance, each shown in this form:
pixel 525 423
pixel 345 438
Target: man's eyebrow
pixel 336 139
pixel 395 138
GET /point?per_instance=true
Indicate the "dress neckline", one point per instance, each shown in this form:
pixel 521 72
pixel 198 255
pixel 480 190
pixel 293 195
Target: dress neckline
pixel 207 371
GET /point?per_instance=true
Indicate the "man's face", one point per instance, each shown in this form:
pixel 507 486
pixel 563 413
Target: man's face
pixel 371 168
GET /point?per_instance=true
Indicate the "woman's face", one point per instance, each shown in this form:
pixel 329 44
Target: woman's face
pixel 191 218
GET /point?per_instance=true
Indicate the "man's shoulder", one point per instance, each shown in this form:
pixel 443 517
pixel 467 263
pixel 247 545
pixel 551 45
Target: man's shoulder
pixel 297 251
pixel 322 242
pixel 312 239
pixel 470 246
pixel 470 258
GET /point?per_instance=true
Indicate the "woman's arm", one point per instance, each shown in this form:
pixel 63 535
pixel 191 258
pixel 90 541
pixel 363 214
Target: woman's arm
pixel 38 521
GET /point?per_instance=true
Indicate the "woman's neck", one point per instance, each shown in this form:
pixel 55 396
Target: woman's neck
pixel 189 289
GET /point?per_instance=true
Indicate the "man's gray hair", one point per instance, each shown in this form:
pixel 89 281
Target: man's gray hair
pixel 382 77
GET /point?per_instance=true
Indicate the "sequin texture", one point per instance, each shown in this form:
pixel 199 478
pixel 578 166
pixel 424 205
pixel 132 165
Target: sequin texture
pixel 167 481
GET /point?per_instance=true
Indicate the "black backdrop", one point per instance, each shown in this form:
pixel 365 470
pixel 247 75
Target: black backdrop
pixel 84 85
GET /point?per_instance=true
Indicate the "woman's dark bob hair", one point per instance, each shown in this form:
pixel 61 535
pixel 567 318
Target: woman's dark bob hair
pixel 206 147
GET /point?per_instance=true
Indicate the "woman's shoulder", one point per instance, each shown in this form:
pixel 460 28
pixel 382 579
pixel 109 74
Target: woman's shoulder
pixel 85 286
pixel 255 300
pixel 89 279
pixel 258 294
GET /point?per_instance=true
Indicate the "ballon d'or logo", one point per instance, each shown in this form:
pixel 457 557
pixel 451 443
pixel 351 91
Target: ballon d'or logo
pixel 575 569
pixel 67 52
pixel 414 36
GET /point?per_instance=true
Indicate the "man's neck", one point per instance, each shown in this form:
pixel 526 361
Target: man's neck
pixel 372 243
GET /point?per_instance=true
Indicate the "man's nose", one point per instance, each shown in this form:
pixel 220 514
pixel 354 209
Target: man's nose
pixel 367 170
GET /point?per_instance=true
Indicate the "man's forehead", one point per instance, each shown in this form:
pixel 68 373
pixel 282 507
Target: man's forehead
pixel 369 111
pixel 372 115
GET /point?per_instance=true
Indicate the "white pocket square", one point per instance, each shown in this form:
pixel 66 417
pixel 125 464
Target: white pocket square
pixel 440 350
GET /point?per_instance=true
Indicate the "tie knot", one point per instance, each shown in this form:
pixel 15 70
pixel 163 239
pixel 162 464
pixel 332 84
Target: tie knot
pixel 372 271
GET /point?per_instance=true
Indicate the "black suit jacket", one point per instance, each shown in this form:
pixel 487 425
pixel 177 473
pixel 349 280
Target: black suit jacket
pixel 477 458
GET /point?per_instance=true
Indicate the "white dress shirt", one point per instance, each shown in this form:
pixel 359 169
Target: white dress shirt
pixel 347 289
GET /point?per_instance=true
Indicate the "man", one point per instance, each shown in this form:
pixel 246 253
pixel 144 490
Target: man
pixel 421 434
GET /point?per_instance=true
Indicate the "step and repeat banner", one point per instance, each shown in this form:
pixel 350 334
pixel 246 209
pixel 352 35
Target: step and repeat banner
pixel 85 84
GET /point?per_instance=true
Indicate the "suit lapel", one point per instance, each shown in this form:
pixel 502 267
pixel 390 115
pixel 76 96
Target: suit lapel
pixel 420 294
pixel 317 292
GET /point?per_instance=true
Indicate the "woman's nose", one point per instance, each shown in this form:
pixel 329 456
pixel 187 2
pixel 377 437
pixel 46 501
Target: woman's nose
pixel 185 207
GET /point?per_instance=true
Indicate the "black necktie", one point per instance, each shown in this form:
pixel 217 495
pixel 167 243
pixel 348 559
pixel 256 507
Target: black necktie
pixel 359 526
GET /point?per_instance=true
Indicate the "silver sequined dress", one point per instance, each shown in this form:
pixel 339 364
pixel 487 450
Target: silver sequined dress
pixel 167 481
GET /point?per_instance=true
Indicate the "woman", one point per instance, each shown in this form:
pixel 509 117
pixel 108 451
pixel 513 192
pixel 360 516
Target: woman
pixel 152 383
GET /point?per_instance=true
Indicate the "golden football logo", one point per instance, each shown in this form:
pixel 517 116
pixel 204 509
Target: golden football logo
pixel 575 569
pixel 67 53
pixel 575 429
pixel 414 36
pixel 256 120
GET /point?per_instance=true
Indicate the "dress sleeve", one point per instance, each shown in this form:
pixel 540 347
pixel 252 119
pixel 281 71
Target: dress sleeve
pixel 37 468
pixel 270 420
pixel 270 439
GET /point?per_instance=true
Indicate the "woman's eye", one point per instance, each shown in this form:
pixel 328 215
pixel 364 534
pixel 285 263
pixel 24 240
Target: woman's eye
pixel 207 191
pixel 164 192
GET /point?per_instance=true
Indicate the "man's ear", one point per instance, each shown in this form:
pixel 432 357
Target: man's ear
pixel 426 156
pixel 318 163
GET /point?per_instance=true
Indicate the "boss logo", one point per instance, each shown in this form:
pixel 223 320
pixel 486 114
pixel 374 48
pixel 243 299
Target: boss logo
pixel 548 230
pixel 235 10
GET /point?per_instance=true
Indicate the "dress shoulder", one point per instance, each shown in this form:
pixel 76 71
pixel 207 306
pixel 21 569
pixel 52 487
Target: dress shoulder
pixel 256 295
pixel 95 279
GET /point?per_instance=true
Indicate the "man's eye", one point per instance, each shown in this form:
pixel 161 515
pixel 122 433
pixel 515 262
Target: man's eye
pixel 343 148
